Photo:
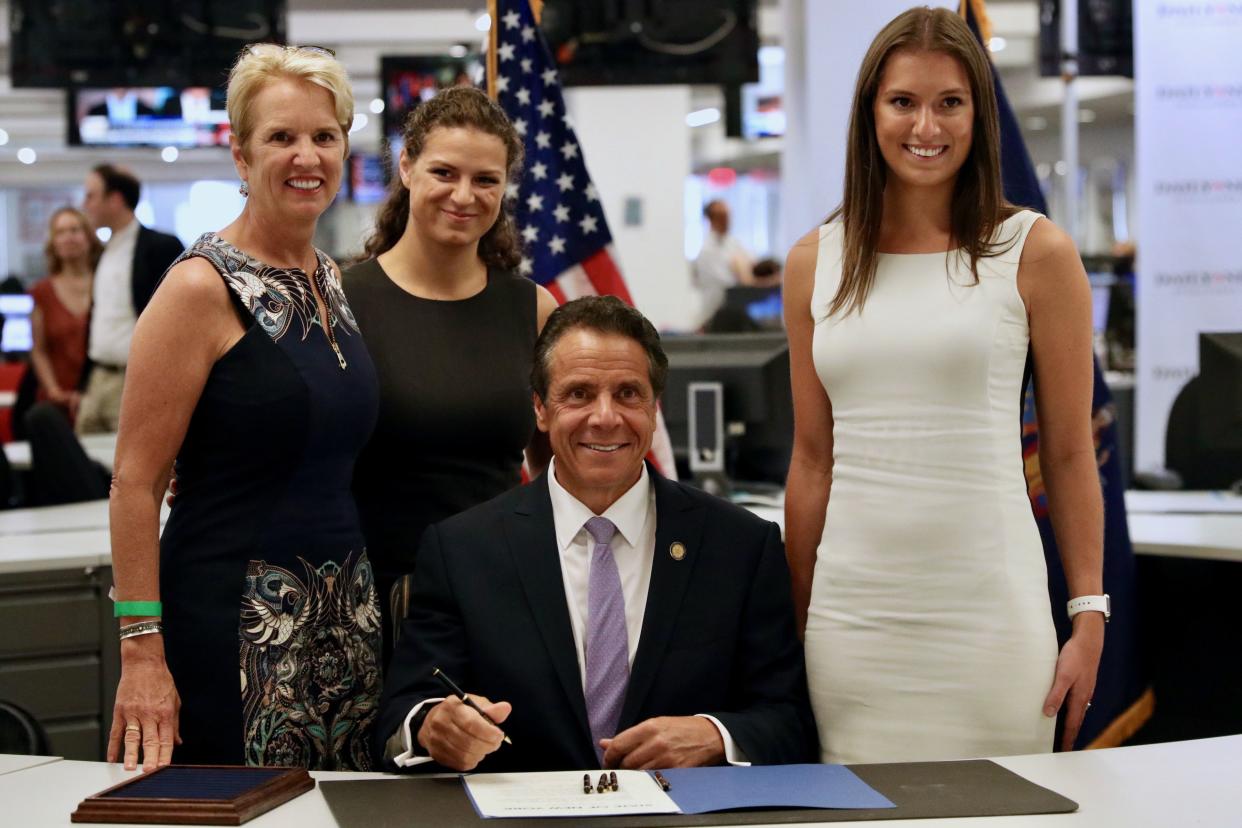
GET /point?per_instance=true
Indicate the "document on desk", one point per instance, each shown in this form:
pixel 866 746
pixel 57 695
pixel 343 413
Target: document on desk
pixel 560 794
pixel 726 788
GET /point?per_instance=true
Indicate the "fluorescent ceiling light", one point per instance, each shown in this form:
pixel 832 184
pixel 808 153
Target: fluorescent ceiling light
pixel 703 117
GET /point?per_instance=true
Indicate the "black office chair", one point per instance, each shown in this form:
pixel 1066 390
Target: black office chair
pixel 399 601
pixel 60 469
pixel 8 487
pixel 1198 467
pixel 21 733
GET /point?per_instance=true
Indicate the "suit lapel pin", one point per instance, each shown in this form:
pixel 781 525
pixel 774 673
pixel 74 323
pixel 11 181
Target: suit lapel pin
pixel 677 550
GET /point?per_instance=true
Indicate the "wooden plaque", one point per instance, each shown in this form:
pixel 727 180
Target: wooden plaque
pixel 195 795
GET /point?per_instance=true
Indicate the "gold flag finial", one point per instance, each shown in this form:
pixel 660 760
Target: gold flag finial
pixel 492 11
pixel 981 17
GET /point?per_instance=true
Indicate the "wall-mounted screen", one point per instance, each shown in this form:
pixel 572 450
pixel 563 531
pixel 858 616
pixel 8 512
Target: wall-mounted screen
pixel 366 178
pixel 158 116
pixel 411 79
pixel 600 42
pixel 135 42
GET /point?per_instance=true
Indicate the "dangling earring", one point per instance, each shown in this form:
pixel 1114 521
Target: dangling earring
pixel 244 189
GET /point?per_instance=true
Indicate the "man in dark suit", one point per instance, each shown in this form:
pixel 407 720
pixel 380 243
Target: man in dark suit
pixel 620 619
pixel 125 278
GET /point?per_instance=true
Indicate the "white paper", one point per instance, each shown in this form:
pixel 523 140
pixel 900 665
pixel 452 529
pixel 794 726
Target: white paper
pixel 559 794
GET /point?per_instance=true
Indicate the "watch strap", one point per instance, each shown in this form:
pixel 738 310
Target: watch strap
pixel 1090 603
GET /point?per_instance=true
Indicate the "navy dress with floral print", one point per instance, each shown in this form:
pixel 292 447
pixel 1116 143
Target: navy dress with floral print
pixel 271 613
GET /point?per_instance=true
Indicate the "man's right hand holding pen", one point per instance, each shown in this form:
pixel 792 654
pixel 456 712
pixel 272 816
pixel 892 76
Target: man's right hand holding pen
pixel 459 738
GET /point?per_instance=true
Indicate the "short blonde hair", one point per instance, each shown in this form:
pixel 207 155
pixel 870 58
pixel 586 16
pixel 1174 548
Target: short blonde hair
pixel 262 63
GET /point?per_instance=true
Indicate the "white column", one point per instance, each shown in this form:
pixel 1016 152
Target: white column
pixel 637 149
pixel 1187 122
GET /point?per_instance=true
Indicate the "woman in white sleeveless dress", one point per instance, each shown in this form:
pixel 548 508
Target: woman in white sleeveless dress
pixel 917 566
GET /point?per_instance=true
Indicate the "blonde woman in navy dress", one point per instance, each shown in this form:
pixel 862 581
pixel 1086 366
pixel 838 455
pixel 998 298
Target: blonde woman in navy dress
pixel 248 368
pixel 918 571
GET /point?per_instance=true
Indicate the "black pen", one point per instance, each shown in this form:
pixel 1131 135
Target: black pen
pixel 662 782
pixel 466 700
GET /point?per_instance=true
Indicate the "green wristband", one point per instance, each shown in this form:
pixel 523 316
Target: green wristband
pixel 136 608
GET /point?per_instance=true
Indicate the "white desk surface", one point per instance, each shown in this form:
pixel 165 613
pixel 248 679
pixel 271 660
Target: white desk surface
pixel 1169 503
pixel 69 536
pixel 1208 537
pixel 90 515
pixel 1149 786
pixel 10 763
pixel 79 549
pixel 48 794
pixel 1206 525
pixel 99 447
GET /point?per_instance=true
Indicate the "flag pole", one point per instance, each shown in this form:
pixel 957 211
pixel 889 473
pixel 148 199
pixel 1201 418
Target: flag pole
pixel 979 7
pixel 536 8
pixel 1069 116
pixel 492 11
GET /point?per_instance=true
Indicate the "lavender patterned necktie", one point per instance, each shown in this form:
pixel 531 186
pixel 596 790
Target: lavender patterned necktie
pixel 607 643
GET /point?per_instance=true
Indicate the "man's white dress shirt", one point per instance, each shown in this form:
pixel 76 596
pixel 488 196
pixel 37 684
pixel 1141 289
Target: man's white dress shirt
pixel 713 269
pixel 633 548
pixel 112 310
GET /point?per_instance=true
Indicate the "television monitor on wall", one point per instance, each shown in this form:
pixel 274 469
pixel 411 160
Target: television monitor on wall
pixel 135 42
pixel 157 116
pixel 366 178
pixel 1105 38
pixel 601 42
pixel 408 80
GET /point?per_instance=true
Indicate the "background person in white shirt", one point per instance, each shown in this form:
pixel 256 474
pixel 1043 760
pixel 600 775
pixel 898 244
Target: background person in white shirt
pixel 669 644
pixel 131 265
pixel 722 263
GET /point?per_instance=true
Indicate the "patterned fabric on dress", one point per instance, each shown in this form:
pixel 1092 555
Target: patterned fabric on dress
pixel 308 658
pixel 271 611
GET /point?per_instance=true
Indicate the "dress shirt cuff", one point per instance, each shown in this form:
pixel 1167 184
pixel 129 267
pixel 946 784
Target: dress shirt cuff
pixel 409 758
pixel 734 755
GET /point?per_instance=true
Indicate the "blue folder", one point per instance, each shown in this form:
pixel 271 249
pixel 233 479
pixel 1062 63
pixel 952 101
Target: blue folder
pixel 703 790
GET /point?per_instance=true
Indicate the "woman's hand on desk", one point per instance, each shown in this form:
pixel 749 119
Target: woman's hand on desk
pixel 148 709
pixel 1077 667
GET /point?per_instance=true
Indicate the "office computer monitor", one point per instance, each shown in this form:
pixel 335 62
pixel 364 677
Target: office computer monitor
pixel 16 338
pixel 1204 437
pixel 1100 295
pixel 753 370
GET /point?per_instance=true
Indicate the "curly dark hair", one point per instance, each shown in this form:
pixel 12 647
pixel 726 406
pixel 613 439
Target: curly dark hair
pixel 458 106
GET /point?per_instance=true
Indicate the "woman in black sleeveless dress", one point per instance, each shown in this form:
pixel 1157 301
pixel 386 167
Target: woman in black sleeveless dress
pixel 451 327
pixel 248 367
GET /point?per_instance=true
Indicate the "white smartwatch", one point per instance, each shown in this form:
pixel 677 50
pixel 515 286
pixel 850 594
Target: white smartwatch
pixel 1090 603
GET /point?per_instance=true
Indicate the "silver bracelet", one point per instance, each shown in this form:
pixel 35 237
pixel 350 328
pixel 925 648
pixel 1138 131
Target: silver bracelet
pixel 141 628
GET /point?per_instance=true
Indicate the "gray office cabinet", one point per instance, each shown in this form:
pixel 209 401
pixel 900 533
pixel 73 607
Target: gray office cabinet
pixel 59 656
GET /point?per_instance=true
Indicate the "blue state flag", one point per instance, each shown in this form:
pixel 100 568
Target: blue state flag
pixel 1123 701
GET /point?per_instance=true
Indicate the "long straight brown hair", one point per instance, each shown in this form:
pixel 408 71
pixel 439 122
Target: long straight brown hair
pixel 978 206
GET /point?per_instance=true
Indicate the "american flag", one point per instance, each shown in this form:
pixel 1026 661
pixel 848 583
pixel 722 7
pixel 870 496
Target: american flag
pixel 557 209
